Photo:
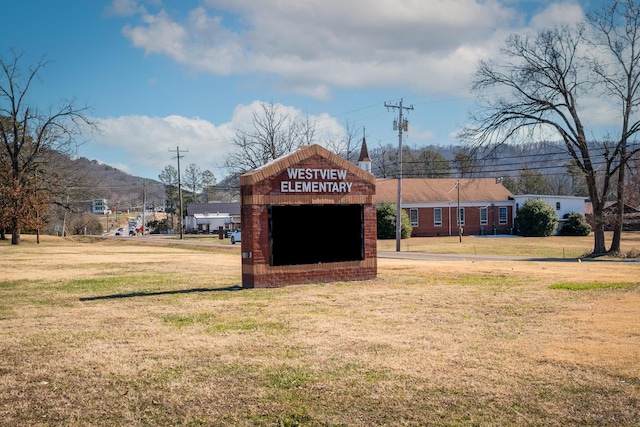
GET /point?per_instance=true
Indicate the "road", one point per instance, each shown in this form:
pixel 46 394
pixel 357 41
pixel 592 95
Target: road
pixel 459 257
pixel 173 239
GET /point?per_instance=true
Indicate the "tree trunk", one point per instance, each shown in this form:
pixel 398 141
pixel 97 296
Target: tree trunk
pixel 619 217
pixel 15 232
pixel 617 228
pixel 598 214
pixel 598 231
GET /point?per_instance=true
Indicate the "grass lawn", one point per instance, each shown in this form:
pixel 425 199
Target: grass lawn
pixel 121 332
pixel 548 247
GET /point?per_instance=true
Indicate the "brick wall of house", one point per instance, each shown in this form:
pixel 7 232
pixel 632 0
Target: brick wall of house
pixel 262 188
pixel 427 228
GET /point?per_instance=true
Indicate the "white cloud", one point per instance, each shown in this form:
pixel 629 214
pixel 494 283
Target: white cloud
pixel 314 47
pixel 317 45
pixel 124 8
pixel 568 12
pixel 147 139
pixel 416 133
pixel 152 140
pixel 159 35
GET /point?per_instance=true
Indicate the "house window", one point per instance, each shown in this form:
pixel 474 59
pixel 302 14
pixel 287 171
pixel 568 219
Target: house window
pixel 413 216
pixel 461 216
pixel 557 206
pixel 502 215
pixel 483 216
pixel 437 217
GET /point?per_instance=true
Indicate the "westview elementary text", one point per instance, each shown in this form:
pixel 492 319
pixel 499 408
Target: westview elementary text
pixel 303 181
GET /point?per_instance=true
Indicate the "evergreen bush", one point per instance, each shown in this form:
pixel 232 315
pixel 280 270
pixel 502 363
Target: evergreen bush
pixel 536 218
pixel 386 221
pixel 575 225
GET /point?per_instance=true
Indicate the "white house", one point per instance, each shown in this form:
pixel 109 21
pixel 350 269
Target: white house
pixel 563 204
pixel 99 206
pixel 209 217
pixel 207 222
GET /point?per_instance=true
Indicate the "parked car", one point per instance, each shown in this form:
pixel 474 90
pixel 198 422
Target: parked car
pixel 236 236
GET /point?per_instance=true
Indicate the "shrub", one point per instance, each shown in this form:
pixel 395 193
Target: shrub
pixel 84 223
pixel 386 221
pixel 158 227
pixel 536 218
pixel 575 225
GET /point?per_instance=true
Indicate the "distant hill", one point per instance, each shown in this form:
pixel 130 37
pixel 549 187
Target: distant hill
pixel 119 188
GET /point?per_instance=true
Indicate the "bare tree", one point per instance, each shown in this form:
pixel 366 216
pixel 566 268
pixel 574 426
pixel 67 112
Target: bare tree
pixel 272 134
pixel 559 183
pixel 616 62
pixel 347 144
pixel 27 133
pixel 578 183
pixel 384 161
pixel 539 86
pixel 5 180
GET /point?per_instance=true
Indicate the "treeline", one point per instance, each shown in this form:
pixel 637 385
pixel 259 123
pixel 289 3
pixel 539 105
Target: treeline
pixel 535 168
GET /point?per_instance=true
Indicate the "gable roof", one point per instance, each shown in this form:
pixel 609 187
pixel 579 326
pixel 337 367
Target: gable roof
pixel 282 163
pixel 232 208
pixel 441 190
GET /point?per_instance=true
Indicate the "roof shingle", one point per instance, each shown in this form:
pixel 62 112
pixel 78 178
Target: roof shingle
pixel 426 190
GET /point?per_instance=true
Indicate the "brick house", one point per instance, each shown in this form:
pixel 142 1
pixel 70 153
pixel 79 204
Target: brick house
pixel 307 217
pixel 485 205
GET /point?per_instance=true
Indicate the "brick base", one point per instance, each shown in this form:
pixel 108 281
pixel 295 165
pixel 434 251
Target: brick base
pixel 275 277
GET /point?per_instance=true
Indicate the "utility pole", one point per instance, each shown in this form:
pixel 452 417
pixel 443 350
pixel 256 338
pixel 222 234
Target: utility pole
pixel 459 215
pixel 144 205
pixel 180 192
pixel 399 125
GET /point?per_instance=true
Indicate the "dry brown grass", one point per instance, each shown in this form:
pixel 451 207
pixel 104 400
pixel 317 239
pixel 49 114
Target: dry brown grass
pixel 114 333
pixel 552 246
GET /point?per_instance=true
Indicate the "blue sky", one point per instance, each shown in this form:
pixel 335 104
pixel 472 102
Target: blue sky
pixel 159 74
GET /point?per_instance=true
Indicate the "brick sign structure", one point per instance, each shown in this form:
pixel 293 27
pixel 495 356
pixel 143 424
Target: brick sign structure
pixel 308 217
